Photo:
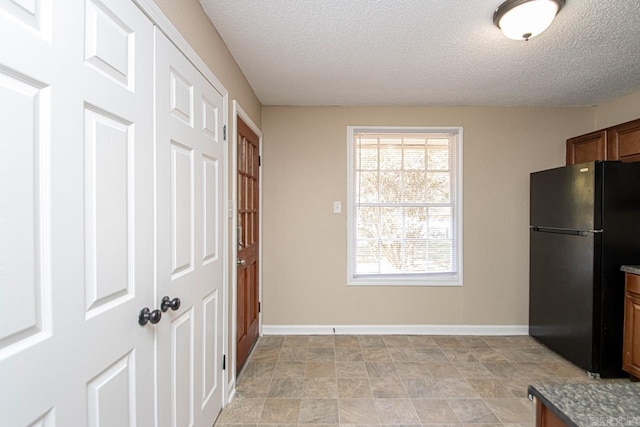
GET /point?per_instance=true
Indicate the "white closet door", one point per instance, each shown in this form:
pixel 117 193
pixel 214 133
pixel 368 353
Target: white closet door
pixel 190 213
pixel 76 215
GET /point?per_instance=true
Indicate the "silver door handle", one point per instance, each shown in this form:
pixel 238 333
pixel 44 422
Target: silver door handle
pixel 241 262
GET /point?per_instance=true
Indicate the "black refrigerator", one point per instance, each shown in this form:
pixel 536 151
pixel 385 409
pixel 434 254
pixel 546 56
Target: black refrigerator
pixel 585 224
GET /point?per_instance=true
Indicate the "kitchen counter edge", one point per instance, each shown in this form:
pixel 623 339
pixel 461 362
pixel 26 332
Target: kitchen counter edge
pixel 633 269
pixel 532 391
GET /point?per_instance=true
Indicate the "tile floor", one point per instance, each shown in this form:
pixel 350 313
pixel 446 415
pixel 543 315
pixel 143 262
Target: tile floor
pixel 394 380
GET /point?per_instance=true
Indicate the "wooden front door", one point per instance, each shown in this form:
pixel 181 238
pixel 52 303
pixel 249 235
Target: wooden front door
pixel 248 221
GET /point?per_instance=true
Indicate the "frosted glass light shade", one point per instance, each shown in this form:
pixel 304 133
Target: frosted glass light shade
pixel 523 19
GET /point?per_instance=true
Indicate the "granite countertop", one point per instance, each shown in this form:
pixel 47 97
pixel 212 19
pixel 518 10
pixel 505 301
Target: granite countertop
pixel 633 269
pixel 591 405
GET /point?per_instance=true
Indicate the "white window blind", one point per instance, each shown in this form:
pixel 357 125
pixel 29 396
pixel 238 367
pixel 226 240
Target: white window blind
pixel 404 205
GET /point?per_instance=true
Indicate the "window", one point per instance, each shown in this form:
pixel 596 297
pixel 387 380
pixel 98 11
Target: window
pixel 405 206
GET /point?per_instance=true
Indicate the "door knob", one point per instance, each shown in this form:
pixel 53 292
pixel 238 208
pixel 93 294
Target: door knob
pixel 241 262
pixel 147 315
pixel 168 303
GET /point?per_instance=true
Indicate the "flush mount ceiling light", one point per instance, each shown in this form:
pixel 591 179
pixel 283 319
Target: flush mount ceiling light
pixel 523 19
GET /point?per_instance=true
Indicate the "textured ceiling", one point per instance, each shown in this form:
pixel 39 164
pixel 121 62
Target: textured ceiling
pixel 428 52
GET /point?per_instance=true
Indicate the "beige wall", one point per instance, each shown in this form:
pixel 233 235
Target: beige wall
pixel 617 111
pixel 305 244
pixel 194 25
pixel 305 170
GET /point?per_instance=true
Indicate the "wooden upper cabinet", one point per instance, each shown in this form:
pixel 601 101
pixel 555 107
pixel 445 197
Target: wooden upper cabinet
pixel 587 148
pixel 620 142
pixel 624 142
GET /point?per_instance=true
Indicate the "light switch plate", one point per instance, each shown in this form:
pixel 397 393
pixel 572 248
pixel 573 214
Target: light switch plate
pixel 337 207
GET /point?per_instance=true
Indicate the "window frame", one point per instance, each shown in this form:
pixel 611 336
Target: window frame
pixel 404 279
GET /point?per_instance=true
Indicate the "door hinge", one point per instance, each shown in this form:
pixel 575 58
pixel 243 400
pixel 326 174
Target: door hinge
pixel 224 362
pixel 259 160
pixel 259 307
pixel 224 132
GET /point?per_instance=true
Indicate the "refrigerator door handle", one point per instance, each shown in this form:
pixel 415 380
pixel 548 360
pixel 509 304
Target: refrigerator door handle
pixel 558 230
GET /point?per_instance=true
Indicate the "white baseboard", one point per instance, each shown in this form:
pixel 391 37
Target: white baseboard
pixel 395 330
pixel 231 392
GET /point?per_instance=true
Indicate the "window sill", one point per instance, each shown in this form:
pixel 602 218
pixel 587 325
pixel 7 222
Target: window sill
pixel 404 281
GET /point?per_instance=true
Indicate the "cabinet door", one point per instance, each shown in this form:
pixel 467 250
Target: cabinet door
pixel 587 148
pixel 624 142
pixel 631 347
pixel 545 417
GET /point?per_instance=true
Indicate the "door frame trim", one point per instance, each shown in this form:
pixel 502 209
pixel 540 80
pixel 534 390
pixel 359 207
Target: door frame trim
pixel 238 111
pixel 158 18
pixel 154 13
